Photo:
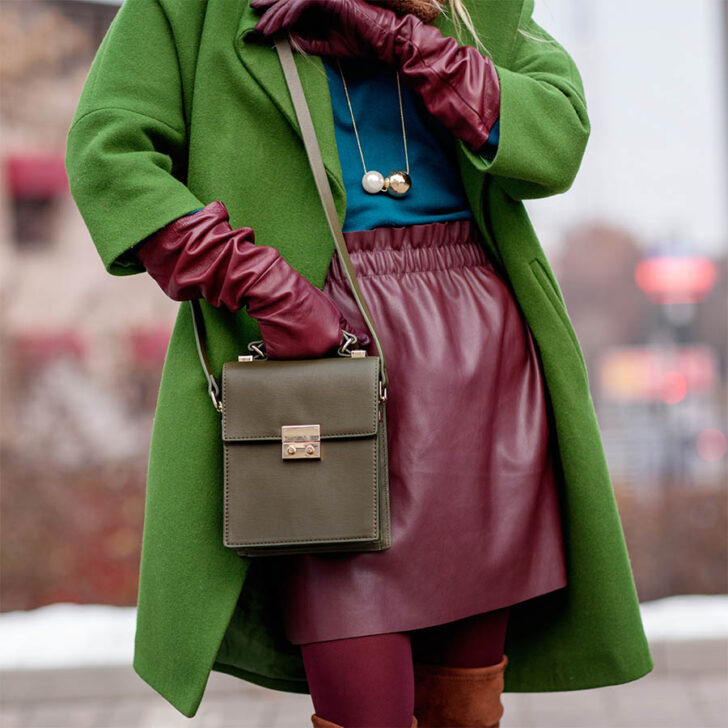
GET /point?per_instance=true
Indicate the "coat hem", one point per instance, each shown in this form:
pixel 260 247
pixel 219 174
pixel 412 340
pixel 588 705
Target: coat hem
pixel 598 681
pixel 274 683
pixel 185 705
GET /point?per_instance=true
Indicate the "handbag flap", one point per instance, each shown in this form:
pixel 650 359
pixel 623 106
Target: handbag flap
pixel 338 393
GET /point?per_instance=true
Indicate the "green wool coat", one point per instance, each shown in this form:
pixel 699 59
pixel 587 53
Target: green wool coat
pixel 183 105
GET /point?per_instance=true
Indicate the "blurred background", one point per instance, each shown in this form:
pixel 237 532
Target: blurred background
pixel 639 246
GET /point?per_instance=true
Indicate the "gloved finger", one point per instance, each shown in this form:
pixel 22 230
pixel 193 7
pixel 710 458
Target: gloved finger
pixel 280 16
pixel 311 45
pixel 269 21
pixel 307 15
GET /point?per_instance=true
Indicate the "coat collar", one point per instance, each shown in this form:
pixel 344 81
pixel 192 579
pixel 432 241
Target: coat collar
pixel 495 20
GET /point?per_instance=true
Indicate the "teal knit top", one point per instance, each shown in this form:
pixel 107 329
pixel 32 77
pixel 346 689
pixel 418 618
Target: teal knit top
pixel 437 192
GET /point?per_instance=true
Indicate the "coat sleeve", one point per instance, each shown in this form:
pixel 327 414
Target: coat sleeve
pixel 544 125
pixel 126 148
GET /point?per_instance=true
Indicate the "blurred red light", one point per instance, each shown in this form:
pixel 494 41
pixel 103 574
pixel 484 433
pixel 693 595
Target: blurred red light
pixel 36 176
pixel 673 387
pixel 673 279
pixel 649 372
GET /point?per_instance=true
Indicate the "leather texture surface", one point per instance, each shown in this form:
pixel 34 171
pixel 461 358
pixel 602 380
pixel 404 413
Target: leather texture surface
pixel 338 502
pixel 339 393
pixel 458 84
pixel 202 256
pixel 473 489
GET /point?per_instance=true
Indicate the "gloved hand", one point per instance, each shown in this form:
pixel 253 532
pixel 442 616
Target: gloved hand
pixel 201 256
pixel 457 84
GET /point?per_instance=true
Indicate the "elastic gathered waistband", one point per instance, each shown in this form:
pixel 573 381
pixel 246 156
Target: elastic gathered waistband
pixel 428 246
pixel 442 232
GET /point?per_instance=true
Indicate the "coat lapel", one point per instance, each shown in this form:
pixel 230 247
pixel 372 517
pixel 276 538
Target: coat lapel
pixel 259 56
pixel 495 20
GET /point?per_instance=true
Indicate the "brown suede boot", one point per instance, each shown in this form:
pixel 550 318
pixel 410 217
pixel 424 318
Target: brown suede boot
pixel 319 722
pixel 446 697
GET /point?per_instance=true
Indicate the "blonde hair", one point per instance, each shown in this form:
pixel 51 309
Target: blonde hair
pixel 459 15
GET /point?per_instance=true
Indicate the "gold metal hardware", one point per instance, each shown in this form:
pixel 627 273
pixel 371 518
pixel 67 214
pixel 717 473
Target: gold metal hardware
pixel 245 357
pixel 301 442
pixel 358 353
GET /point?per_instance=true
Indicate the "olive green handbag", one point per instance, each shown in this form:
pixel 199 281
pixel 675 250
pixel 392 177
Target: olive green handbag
pixel 304 440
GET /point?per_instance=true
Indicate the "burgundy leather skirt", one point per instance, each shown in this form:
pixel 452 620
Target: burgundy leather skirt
pixel 473 494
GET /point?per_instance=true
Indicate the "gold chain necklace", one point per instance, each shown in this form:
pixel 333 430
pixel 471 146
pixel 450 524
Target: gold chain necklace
pixel 398 182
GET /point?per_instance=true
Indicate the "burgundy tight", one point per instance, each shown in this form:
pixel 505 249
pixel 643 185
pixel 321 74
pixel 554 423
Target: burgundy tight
pixel 360 682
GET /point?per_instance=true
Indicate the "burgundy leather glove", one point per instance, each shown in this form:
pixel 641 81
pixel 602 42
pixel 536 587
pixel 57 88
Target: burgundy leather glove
pixel 201 256
pixel 457 84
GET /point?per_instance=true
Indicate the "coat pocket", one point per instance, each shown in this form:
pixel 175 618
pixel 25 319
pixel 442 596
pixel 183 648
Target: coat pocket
pixel 554 297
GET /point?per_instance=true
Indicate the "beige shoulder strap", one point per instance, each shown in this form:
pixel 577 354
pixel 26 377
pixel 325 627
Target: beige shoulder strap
pixel 322 183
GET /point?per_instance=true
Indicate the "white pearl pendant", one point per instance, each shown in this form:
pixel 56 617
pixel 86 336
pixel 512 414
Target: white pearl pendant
pixel 373 182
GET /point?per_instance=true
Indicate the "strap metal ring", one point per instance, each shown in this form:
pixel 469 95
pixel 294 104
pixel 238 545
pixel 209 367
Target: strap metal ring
pixel 257 348
pixel 349 341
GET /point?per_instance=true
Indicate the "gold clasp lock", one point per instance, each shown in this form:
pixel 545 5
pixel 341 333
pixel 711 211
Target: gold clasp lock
pixel 301 442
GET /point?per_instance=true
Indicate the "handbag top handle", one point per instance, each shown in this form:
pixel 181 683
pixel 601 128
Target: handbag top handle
pixel 324 189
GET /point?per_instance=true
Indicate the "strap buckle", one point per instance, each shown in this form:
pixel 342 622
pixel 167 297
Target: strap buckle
pixel 214 392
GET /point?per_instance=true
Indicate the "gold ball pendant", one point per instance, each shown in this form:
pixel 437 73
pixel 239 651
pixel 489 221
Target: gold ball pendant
pixel 397 183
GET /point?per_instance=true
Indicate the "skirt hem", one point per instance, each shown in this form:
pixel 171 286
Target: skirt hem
pixel 363 630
